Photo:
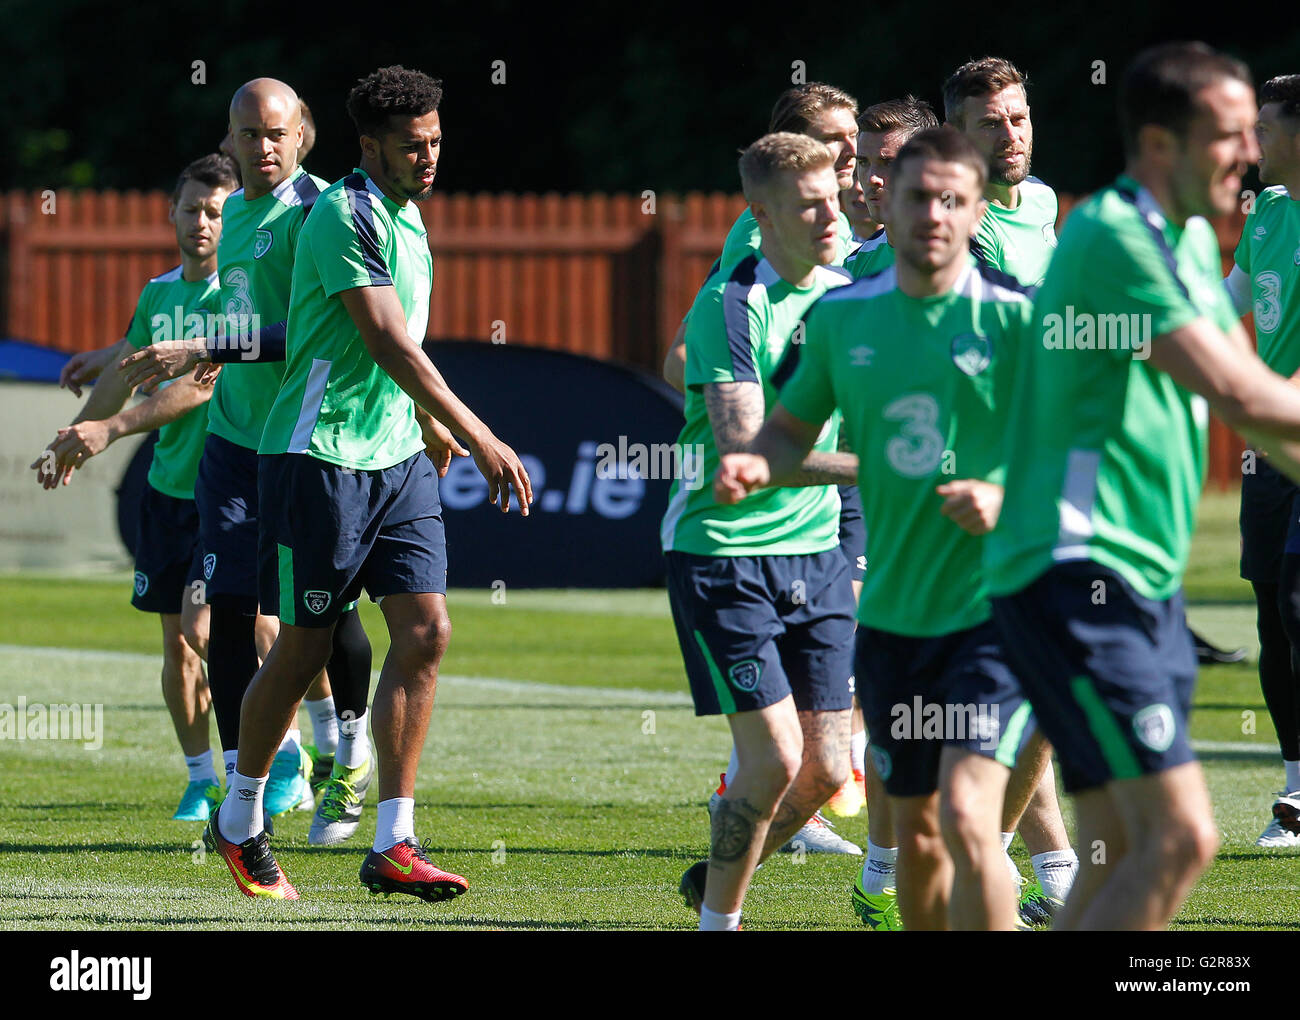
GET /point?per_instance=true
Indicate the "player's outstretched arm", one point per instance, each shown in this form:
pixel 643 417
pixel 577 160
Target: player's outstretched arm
pixel 54 466
pixel 84 368
pixel 675 360
pixel 776 454
pixel 171 359
pixel 1249 396
pixel 75 444
pixel 379 318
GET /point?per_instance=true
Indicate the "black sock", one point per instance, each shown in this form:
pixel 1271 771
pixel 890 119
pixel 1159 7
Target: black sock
pixel 232 662
pixel 349 666
pixel 1276 676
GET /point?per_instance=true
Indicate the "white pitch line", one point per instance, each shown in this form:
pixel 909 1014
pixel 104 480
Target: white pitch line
pixel 483 682
pixel 536 687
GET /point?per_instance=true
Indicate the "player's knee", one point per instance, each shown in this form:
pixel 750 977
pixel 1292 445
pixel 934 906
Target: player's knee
pixel 1189 845
pixel 827 774
pixel 922 847
pixel 194 629
pixel 966 832
pixel 424 643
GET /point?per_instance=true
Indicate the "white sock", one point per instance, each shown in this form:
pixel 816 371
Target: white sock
pixel 354 749
pixel 292 741
pixel 1055 871
pixel 1292 775
pixel 1016 877
pixel 395 822
pixel 229 759
pixel 241 812
pixel 879 867
pixel 711 920
pixel 732 766
pixel 200 767
pixel 324 724
pixel 858 751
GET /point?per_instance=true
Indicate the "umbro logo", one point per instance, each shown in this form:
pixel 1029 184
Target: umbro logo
pixel 1260 231
pixel 860 357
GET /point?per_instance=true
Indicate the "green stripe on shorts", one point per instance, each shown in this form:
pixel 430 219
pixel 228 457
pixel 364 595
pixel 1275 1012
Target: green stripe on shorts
pixel 1120 759
pixel 725 701
pixel 286 584
pixel 1012 734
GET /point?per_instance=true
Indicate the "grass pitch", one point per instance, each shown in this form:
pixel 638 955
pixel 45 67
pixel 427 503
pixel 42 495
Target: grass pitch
pixel 565 776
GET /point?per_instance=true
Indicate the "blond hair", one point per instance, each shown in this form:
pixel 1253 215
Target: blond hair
pixel 778 152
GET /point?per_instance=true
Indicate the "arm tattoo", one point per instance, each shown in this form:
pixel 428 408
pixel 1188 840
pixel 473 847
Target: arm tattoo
pixel 733 829
pixel 736 411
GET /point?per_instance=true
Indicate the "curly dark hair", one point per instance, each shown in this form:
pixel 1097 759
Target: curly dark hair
pixel 216 170
pixel 391 91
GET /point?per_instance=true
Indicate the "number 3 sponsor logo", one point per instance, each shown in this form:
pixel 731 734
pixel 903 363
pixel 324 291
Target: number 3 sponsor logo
pixel 1268 304
pixel 917 450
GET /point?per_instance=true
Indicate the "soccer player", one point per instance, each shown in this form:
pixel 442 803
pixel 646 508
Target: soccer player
pixel 1086 562
pixel 827 114
pixel 919 359
pixel 883 129
pixel 168 557
pixel 349 498
pixel 263 222
pixel 1264 278
pixel 986 100
pixel 760 594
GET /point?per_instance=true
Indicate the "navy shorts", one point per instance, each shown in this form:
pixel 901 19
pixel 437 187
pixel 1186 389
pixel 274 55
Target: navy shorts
pixel 754 629
pixel 928 693
pixel 329 531
pixel 1270 522
pixel 1110 673
pixel 853 532
pixel 226 494
pixel 167 553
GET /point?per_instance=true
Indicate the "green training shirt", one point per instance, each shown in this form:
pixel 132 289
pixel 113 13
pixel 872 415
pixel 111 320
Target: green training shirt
pixel 258 241
pixel 743 239
pixel 741 329
pixel 1269 253
pixel 336 404
pixel 922 385
pixel 1020 241
pixel 1106 454
pixel 160 314
pixel 875 254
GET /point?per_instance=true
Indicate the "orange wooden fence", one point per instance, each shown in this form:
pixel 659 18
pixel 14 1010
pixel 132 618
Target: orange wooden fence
pixel 608 276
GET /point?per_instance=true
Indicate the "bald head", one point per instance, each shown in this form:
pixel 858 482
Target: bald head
pixel 260 93
pixel 266 126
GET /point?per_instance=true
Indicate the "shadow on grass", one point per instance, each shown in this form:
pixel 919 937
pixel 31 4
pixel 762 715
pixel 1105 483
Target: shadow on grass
pixel 544 851
pixel 108 848
pixel 1220 923
pixel 638 706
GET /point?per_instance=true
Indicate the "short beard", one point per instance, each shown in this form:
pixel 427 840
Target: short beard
pixel 1011 180
pixel 417 196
